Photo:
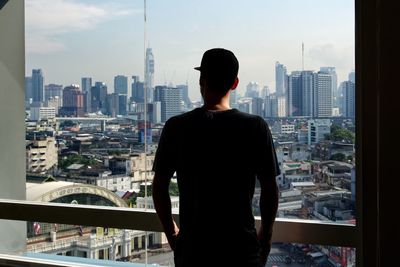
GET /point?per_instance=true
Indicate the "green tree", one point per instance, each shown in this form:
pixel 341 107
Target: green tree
pixel 65 161
pixel 338 157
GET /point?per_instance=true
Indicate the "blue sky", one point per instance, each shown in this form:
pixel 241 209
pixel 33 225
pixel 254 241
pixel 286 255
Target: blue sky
pixel 70 39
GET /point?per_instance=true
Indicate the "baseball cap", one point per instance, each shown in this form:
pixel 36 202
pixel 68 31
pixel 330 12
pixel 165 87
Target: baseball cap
pixel 219 61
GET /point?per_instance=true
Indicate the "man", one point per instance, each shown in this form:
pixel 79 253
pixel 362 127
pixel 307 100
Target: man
pixel 217 154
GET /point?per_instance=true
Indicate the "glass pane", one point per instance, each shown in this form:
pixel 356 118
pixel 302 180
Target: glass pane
pixel 292 254
pixel 96 245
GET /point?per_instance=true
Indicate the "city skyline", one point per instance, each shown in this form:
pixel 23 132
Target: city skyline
pixel 103 40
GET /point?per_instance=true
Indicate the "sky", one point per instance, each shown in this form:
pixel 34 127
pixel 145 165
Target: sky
pixel 70 39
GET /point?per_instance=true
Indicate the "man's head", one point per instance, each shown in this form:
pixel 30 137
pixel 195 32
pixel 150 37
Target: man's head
pixel 218 70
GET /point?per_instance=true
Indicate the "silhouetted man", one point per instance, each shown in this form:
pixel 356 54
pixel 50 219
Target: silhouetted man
pixel 217 154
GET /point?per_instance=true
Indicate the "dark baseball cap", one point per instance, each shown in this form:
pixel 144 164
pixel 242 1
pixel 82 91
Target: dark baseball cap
pixel 219 61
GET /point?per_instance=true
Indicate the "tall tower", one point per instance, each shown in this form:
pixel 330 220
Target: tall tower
pixel 280 79
pixel 349 99
pixel 149 72
pixel 121 85
pixel 322 95
pixel 307 92
pixel 37 85
pixel 170 99
pixel 86 83
pixel 294 96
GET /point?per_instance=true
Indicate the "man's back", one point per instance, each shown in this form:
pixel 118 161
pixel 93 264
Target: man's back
pixel 216 155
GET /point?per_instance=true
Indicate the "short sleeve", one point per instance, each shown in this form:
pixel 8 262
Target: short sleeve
pixel 165 159
pixel 267 163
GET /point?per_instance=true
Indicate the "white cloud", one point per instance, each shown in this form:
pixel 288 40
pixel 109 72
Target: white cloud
pixel 48 20
pixel 331 55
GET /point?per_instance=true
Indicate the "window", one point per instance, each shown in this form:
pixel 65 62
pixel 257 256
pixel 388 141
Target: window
pixel 331 234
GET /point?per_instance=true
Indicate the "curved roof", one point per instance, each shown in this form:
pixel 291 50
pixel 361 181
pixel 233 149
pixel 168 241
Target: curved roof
pixel 49 191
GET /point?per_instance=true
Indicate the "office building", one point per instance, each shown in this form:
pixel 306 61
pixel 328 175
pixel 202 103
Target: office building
pixel 42 113
pixel 137 94
pixel 170 99
pixel 294 95
pixel 349 99
pixel 37 85
pixel 72 101
pixel 86 85
pixel 28 90
pixel 322 95
pixel 121 85
pixel 317 129
pixel 280 79
pixel 98 94
pixel 257 106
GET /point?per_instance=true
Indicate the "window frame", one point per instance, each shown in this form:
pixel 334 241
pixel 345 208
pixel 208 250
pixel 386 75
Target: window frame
pixel 365 236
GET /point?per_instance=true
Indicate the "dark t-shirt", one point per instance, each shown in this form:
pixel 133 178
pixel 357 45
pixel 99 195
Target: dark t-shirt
pixel 216 155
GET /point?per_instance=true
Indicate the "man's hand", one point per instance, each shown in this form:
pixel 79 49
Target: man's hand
pixel 172 236
pixel 265 243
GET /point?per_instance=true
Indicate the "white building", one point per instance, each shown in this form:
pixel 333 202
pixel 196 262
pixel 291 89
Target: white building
pixel 42 113
pixel 317 129
pixel 41 154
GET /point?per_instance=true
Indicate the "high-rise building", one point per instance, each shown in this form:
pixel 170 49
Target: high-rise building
pixel 170 99
pixel 294 95
pixel 98 94
pixel 322 95
pixel 86 84
pixel 257 106
pixel 307 93
pixel 349 93
pixel 112 104
pixel 37 85
pixel 53 91
pixel 42 113
pixel 122 104
pixel 335 91
pixel 280 79
pixel 121 85
pixel 149 74
pixel 252 90
pixel 264 92
pixel 137 93
pixel 185 94
pixel 352 77
pixel 281 105
pixel 28 89
pixel 271 106
pixel 72 101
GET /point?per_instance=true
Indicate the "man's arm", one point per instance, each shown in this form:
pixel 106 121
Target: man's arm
pixel 162 203
pixel 268 207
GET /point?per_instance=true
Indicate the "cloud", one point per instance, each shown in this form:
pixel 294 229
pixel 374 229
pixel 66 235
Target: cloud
pixel 331 55
pixel 47 21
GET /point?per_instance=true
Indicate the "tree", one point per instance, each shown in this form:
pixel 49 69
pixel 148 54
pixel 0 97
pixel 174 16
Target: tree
pixel 338 157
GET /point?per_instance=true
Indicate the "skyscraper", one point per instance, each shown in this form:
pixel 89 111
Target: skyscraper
pixel 280 79
pixel 307 93
pixel 137 93
pixel 37 85
pixel 185 94
pixel 349 94
pixel 335 91
pixel 170 99
pixel 352 77
pixel 322 95
pixel 86 83
pixel 112 104
pixel 98 97
pixel 271 106
pixel 294 96
pixel 72 101
pixel 28 89
pixel 257 106
pixel 149 74
pixel 252 90
pixel 121 85
pixel 53 90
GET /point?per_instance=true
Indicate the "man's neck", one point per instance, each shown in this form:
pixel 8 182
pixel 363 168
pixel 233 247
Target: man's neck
pixel 215 102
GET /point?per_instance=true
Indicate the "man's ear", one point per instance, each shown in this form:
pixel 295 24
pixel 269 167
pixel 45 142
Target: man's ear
pixel 235 83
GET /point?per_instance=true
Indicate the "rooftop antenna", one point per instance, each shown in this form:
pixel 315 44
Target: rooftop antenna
pixel 302 56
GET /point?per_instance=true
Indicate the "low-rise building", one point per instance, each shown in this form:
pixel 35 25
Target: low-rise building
pixel 41 152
